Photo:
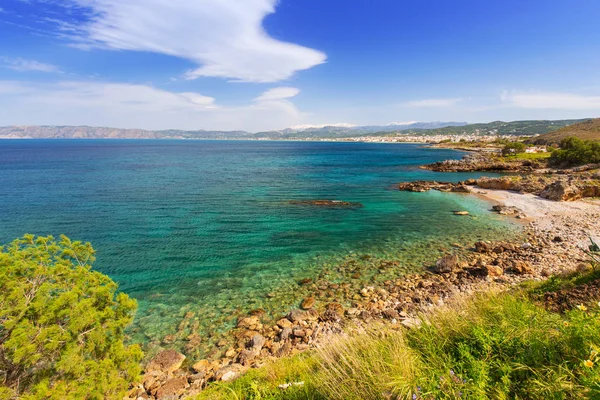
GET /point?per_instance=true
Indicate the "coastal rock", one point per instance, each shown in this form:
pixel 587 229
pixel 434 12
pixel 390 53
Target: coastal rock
pixel 284 323
pixel 522 268
pixel 333 312
pixel 257 342
pixel 166 362
pixel 285 333
pixel 506 210
pixel 308 303
pixel 303 315
pixel 561 191
pixel 483 247
pixel 411 323
pixel 390 314
pixel 201 366
pixel 172 389
pixel 327 203
pixel 494 270
pixel 480 162
pixel 230 373
pixel 447 264
pixel 252 322
pixel 247 356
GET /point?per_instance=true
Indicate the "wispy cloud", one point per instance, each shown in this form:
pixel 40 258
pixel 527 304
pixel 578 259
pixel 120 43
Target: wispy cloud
pixel 278 93
pixel 23 65
pixel 433 102
pixel 224 38
pixel 136 106
pixel 549 100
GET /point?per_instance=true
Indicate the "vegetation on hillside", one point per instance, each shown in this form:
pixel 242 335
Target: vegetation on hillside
pixel 62 324
pixel 513 148
pixel 587 130
pixel 574 151
pixel 517 128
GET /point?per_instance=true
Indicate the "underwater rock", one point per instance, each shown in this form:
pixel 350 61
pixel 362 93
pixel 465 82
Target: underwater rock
pixel 326 203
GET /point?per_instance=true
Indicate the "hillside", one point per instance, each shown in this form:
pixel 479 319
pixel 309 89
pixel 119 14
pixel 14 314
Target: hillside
pixel 588 130
pixel 517 128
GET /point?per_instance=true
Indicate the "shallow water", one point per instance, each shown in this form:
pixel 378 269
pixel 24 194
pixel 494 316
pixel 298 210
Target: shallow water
pixel 206 226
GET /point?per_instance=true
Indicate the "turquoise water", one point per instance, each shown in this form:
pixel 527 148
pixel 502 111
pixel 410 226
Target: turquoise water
pixel 207 227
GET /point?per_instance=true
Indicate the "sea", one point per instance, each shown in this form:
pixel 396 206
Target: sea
pixel 203 232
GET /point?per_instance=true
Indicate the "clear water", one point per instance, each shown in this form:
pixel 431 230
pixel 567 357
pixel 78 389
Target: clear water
pixel 207 227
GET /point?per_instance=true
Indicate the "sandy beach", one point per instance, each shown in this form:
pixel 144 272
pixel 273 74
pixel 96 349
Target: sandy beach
pixel 574 221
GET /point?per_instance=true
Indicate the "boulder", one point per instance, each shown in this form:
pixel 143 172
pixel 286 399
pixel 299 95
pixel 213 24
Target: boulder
pixel 166 362
pixel 250 322
pixel 257 342
pixel 333 312
pixel 172 389
pixel 561 191
pixel 308 303
pixel 447 264
pixel 303 315
pixel 522 268
pixel 284 323
pixel 230 372
pixel 390 314
pixel 483 247
pixel 201 366
pixel 494 270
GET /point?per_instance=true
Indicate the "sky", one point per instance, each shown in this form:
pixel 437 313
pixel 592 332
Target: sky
pixel 265 64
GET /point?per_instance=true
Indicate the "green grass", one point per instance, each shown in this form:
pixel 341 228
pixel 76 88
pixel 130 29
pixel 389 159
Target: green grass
pixel 493 346
pixel 529 156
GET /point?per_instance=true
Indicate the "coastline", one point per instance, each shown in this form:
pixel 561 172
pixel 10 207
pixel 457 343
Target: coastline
pixel 552 243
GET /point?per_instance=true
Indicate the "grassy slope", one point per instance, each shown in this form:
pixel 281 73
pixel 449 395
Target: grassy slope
pixel 493 346
pixel 588 130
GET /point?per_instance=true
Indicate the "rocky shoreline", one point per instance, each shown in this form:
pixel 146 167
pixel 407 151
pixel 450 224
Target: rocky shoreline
pixel 479 161
pixel 557 187
pixel 549 245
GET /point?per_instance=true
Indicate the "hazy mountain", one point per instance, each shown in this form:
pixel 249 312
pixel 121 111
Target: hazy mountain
pixel 347 130
pixel 90 132
pixel 336 131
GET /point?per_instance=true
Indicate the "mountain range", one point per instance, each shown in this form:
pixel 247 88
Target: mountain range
pixel 333 131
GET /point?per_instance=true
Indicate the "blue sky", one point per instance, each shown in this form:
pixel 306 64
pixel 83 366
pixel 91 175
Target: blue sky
pixel 267 64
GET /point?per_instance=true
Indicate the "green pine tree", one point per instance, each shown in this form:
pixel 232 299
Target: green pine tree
pixel 62 324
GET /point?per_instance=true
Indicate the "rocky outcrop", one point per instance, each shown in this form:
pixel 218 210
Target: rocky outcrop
pixel 481 162
pixel 326 203
pixel 552 187
pixel 424 186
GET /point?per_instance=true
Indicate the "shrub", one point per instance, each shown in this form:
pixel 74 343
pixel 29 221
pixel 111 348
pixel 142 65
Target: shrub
pixel 62 324
pixel 513 148
pixel 574 151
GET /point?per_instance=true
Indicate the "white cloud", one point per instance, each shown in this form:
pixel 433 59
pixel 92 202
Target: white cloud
pixel 225 38
pixel 23 65
pixel 278 93
pixel 548 100
pixel 433 102
pixel 123 105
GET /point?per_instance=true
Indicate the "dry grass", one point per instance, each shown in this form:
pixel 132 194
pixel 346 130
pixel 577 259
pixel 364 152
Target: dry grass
pixel 587 130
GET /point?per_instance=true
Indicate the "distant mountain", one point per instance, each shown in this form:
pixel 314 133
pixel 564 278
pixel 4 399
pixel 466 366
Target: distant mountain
pixel 89 132
pixel 588 130
pixel 335 131
pixel 347 130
